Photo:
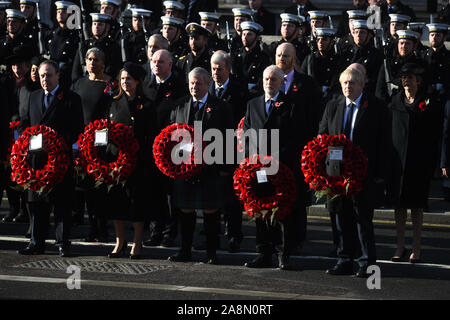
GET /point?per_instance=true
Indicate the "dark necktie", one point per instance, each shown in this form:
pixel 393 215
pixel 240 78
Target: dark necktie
pixel 348 121
pixel 220 92
pixel 270 107
pixel 46 104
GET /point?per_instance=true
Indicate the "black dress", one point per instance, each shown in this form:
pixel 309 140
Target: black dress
pixel 141 196
pixel 415 132
pixel 95 98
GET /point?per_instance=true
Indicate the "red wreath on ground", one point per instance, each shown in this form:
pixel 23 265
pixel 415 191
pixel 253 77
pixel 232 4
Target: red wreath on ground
pixel 276 206
pixel 163 145
pixel 41 180
pixel 350 182
pixel 103 172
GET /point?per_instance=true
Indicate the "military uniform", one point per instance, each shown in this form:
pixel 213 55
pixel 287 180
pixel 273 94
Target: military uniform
pixel 135 46
pixel 61 46
pixel 438 65
pixel 248 66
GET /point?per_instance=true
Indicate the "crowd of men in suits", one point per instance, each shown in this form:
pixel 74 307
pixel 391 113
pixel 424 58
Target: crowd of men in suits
pixel 188 60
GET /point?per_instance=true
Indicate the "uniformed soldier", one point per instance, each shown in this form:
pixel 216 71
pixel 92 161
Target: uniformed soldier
pixel 199 55
pixel 291 32
pixel 324 65
pixel 362 51
pixel 250 62
pixel 3 6
pixel 444 14
pixel 62 43
pixel 210 21
pixel 174 9
pixel 318 19
pixel 112 8
pixel 33 26
pixel 389 71
pixel 172 30
pixel 16 36
pixel 135 41
pixel 437 58
pixel 102 40
pixel 347 39
pixel 240 15
pixel 398 22
pixel 418 27
pixel 395 7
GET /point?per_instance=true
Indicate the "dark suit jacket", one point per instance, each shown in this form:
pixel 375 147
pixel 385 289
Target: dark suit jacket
pixel 164 96
pixel 216 115
pixel 369 132
pixel 305 93
pixel 65 116
pixel 266 19
pixel 235 94
pixel 288 119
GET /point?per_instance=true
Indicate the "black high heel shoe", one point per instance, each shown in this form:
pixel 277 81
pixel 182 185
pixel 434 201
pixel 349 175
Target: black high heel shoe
pixel 401 258
pixel 120 253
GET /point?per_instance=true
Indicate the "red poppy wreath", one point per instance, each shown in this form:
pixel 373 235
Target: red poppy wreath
pixel 239 131
pixel 275 204
pixel 351 179
pixel 12 127
pixel 53 172
pixel 102 171
pixel 171 137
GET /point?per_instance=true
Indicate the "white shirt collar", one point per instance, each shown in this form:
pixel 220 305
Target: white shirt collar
pixel 203 100
pixel 53 91
pixel 273 98
pixel 356 102
pixel 222 86
pixel 158 81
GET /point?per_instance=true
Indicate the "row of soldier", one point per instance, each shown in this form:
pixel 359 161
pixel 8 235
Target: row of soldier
pixel 94 65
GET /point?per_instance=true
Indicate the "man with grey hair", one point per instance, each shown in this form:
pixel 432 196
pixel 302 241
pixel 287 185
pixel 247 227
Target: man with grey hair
pixel 274 111
pixel 206 190
pixel 228 89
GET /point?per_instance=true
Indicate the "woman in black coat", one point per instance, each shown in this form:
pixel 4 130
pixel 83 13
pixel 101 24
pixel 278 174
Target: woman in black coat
pixel 415 125
pixel 138 198
pixel 96 92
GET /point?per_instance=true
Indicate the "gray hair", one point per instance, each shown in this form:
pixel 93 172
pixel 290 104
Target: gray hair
pixel 276 70
pixel 200 72
pixel 165 52
pixel 160 39
pixel 99 53
pixel 220 56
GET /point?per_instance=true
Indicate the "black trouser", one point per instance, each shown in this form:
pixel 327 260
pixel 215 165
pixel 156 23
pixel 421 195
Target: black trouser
pixel 355 231
pixel 40 221
pixel 280 237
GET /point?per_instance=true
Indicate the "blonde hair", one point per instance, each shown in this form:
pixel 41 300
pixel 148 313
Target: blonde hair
pixel 353 74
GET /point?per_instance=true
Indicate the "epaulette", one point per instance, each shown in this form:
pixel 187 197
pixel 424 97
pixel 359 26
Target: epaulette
pixel 181 58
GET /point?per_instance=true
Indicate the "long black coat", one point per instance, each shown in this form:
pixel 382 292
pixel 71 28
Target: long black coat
pixel 140 195
pixel 65 116
pixel 414 150
pixel 445 149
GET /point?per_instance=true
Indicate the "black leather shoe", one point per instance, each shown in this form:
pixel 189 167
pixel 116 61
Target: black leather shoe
pixel 283 263
pixel 121 253
pixel 21 218
pixel 167 242
pixel 64 252
pixel 181 256
pixel 135 256
pixel 362 272
pixel 7 219
pixel 261 261
pixel 233 246
pixel 152 242
pixel 341 269
pixel 212 260
pixel 30 250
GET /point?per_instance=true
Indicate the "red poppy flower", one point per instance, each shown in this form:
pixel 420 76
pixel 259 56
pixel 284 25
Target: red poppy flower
pixel 423 106
pixel 278 104
pixel 168 94
pixel 294 88
pixel 208 110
